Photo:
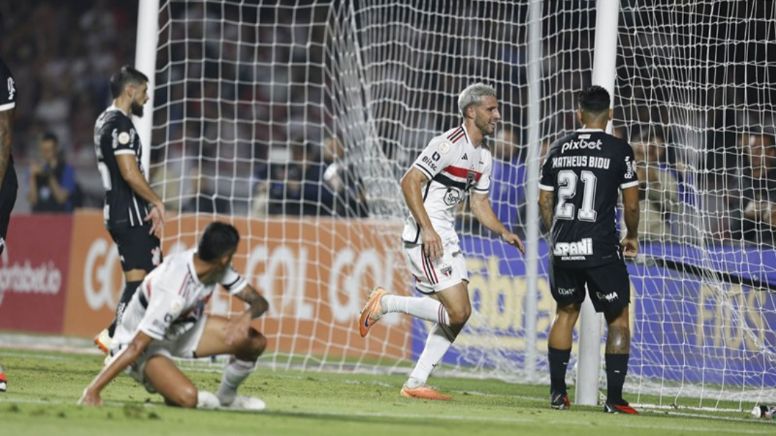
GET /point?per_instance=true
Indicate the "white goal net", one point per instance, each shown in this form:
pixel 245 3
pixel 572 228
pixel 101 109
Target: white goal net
pixel 296 122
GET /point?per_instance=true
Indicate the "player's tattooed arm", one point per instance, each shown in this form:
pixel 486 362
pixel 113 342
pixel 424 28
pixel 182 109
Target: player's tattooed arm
pixel 546 200
pixel 258 305
pixel 6 138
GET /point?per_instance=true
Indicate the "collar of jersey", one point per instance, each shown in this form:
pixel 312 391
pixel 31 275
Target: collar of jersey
pixel 585 129
pixel 113 107
pixel 467 136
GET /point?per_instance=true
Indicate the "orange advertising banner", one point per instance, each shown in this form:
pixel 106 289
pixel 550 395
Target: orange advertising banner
pixel 316 274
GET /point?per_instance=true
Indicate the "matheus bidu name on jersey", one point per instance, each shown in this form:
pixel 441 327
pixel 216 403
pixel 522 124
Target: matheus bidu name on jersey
pixel 573 250
pixel 580 161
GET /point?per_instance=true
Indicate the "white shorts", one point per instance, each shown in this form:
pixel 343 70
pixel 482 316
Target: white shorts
pixel 183 346
pixel 432 276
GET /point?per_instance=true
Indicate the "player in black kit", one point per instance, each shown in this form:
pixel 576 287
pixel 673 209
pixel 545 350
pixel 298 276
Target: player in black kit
pixel 134 214
pixel 579 189
pixel 7 172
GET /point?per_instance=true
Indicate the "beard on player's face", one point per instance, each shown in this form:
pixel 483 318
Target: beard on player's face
pixel 137 109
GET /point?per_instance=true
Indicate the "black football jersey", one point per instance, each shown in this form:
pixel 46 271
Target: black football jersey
pixel 114 134
pixel 7 96
pixel 586 170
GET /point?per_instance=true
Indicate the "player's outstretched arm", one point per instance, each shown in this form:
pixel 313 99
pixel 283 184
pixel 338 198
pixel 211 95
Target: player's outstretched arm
pixel 483 211
pixel 411 185
pixel 630 201
pixel 91 395
pixel 6 140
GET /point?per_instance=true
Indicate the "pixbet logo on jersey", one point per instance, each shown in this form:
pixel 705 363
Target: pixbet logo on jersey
pixel 581 144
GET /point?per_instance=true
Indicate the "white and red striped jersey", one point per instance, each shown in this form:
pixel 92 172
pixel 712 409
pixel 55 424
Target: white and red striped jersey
pixel 171 299
pixel 453 166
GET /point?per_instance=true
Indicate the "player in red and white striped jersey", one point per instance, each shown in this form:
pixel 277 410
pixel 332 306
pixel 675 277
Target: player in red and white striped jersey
pixel 166 319
pixel 451 166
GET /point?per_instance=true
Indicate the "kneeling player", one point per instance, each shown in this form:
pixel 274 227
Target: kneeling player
pixel 166 319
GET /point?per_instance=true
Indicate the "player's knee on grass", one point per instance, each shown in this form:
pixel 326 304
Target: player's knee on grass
pixel 184 396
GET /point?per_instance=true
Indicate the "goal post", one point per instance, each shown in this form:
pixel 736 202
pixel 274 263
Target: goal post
pixel 604 71
pixel 296 121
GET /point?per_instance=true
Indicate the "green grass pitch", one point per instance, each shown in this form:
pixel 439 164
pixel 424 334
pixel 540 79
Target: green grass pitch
pixel 44 386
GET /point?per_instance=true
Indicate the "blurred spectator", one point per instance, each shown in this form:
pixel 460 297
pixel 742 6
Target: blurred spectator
pixel 346 186
pixel 206 199
pixel 53 186
pixel 296 188
pixel 759 194
pixel 657 187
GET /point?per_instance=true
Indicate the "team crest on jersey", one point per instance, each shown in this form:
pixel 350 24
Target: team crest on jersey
pixel 452 196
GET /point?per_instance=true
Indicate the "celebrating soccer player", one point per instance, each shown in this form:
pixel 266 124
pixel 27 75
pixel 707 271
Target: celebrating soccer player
pixel 579 188
pixel 134 226
pixel 452 165
pixel 166 318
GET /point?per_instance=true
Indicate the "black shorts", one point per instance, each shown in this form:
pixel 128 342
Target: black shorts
pixel 7 201
pixel 137 248
pixel 608 286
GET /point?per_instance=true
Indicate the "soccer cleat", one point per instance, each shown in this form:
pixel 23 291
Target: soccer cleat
pixel 372 311
pixel 560 401
pixel 621 407
pixel 103 341
pixel 424 392
pixel 3 380
pixel 250 404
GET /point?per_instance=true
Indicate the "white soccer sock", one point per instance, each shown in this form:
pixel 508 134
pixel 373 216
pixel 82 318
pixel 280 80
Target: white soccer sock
pixel 206 400
pixel 420 307
pixel 234 373
pixel 437 344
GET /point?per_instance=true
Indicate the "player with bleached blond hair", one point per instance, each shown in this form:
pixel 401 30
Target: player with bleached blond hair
pixel 452 165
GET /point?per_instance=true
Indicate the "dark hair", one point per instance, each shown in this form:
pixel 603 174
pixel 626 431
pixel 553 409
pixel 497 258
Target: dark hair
pixel 123 77
pixel 50 136
pixel 593 100
pixel 217 241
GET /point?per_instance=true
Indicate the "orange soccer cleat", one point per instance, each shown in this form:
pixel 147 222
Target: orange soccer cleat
pixel 103 341
pixel 3 380
pixel 372 311
pixel 424 392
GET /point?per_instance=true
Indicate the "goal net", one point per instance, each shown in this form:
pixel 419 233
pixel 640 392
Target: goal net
pixel 296 122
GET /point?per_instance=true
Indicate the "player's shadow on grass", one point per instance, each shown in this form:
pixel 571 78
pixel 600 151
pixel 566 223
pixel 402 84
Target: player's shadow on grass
pixel 376 419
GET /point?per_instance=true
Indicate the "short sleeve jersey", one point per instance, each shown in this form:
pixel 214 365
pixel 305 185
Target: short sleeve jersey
pixel 171 296
pixel 114 135
pixel 586 170
pixel 453 167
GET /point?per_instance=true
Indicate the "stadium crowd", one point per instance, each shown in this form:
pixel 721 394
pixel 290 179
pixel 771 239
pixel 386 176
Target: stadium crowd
pixel 257 143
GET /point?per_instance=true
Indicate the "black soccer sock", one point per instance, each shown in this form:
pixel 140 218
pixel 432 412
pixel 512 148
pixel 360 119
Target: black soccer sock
pixel 616 369
pixel 559 360
pixel 126 296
